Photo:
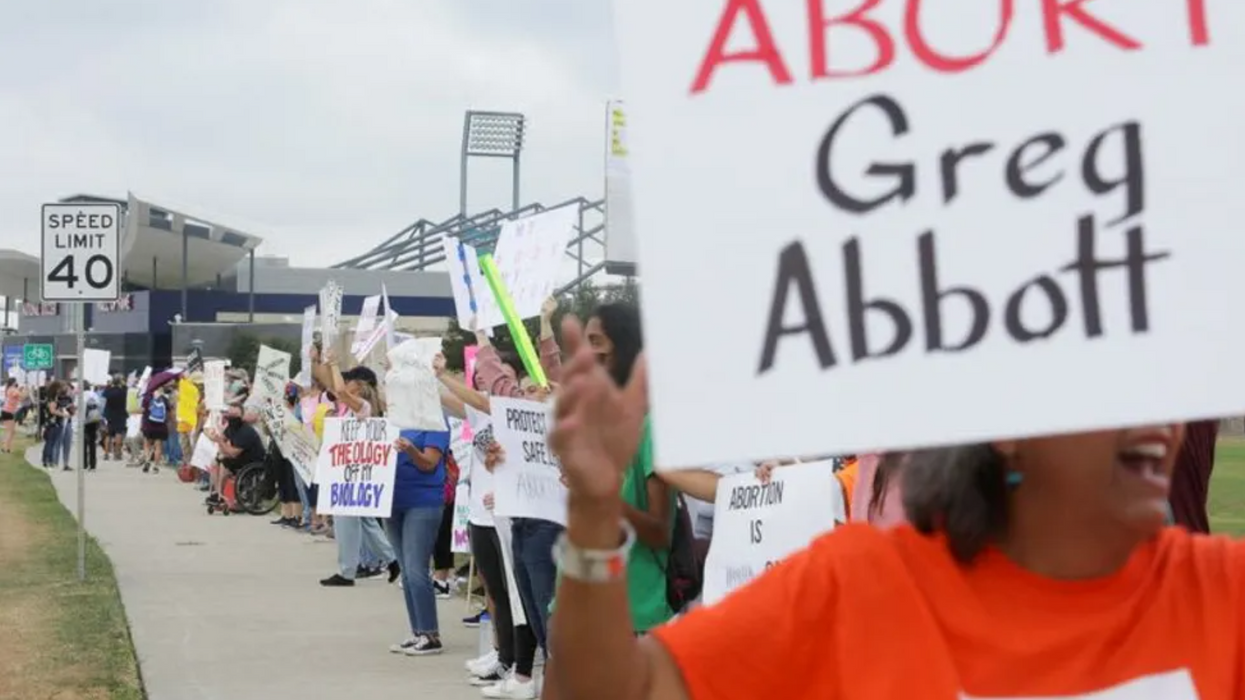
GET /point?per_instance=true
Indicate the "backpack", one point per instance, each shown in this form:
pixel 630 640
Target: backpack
pixel 157 410
pixel 684 573
pixel 92 412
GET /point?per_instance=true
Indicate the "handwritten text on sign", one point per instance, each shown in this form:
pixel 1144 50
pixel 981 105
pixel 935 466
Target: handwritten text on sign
pixel 925 246
pixel 355 469
pixel 756 525
pixel 529 483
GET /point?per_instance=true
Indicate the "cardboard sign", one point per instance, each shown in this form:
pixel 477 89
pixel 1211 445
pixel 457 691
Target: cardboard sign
pixel 529 483
pixel 947 222
pixel 756 525
pixel 356 466
pixel 95 365
pixel 330 312
pixel 296 440
pixel 204 455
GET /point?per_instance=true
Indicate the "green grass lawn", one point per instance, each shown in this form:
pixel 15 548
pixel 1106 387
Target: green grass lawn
pixel 1227 488
pixel 61 638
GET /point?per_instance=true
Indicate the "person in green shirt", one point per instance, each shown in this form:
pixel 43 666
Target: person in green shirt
pixel 649 503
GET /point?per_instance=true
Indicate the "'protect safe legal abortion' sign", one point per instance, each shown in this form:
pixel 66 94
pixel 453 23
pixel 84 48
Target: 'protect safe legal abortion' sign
pixel 355 469
pixel 956 225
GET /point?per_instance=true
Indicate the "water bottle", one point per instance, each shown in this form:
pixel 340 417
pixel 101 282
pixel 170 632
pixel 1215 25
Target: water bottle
pixel 486 634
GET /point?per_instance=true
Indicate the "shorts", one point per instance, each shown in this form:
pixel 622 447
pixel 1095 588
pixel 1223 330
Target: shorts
pixel 156 433
pixel 233 466
pixel 117 425
pixel 5 417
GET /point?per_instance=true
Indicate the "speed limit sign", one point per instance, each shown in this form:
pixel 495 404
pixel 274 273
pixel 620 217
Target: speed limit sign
pixel 81 252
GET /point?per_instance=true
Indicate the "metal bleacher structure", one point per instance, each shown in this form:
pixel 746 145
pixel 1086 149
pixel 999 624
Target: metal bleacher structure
pixel 421 246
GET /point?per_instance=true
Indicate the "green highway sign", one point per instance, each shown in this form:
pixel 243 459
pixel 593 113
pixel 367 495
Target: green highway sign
pixel 36 357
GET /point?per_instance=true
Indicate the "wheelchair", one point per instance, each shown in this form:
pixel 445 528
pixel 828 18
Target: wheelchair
pixel 255 485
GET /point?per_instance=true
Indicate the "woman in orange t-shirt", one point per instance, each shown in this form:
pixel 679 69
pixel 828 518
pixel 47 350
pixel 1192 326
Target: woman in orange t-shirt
pixel 1036 568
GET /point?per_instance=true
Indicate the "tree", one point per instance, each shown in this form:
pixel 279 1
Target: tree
pixel 243 351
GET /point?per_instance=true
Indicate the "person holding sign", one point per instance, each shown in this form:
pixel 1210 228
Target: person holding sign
pixel 418 502
pixel 1033 568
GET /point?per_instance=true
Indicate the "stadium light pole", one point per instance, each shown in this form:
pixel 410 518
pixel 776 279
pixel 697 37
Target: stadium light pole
pixel 491 135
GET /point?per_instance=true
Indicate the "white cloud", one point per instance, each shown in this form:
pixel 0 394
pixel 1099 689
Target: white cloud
pixel 325 126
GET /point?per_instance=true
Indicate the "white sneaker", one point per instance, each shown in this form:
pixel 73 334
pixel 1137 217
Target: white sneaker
pixel 401 647
pixel 483 663
pixel 492 676
pixel 511 689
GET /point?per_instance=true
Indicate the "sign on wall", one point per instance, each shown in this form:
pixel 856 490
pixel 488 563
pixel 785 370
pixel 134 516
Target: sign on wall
pixel 81 258
pixel 941 222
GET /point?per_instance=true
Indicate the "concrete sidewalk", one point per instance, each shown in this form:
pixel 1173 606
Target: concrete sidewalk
pixel 230 608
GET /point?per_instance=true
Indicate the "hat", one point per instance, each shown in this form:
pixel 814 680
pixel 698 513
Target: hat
pixel 196 377
pixel 360 374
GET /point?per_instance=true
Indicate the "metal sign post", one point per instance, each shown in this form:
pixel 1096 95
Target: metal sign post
pixel 81 264
pixel 80 438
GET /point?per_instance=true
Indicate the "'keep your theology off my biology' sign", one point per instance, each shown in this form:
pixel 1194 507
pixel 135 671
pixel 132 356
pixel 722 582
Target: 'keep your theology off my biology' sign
pixel 355 469
pixel 1018 220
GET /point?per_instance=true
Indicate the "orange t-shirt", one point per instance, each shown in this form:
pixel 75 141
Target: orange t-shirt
pixel 847 481
pixel 865 614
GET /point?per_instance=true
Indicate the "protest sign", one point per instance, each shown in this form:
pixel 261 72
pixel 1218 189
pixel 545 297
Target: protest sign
pixel 925 212
pixel 306 342
pixel 95 365
pixel 355 468
pixel 330 312
pixel 460 542
pixel 204 455
pixel 756 525
pixel 529 256
pixel 143 379
pixel 412 389
pixel 391 319
pixel 364 332
pixel 294 438
pixel 529 483
pixel 473 303
pixel 272 373
pixel 214 384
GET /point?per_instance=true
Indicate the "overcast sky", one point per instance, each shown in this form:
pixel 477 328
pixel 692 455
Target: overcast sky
pixel 322 126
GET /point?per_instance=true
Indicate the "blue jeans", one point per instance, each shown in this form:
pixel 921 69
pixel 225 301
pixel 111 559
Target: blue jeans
pixel 352 532
pixel 173 449
pixel 51 441
pixel 414 534
pixel 534 571
pixel 65 442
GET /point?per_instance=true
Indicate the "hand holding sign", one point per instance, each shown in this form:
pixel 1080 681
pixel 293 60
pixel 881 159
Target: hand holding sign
pixel 598 425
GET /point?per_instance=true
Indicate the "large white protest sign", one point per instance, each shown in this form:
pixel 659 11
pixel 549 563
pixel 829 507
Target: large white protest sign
pixel 473 300
pixel 529 256
pixel 272 373
pixel 355 468
pixel 214 384
pixel 412 390
pixel 95 365
pixel 983 213
pixel 755 525
pixel 529 483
